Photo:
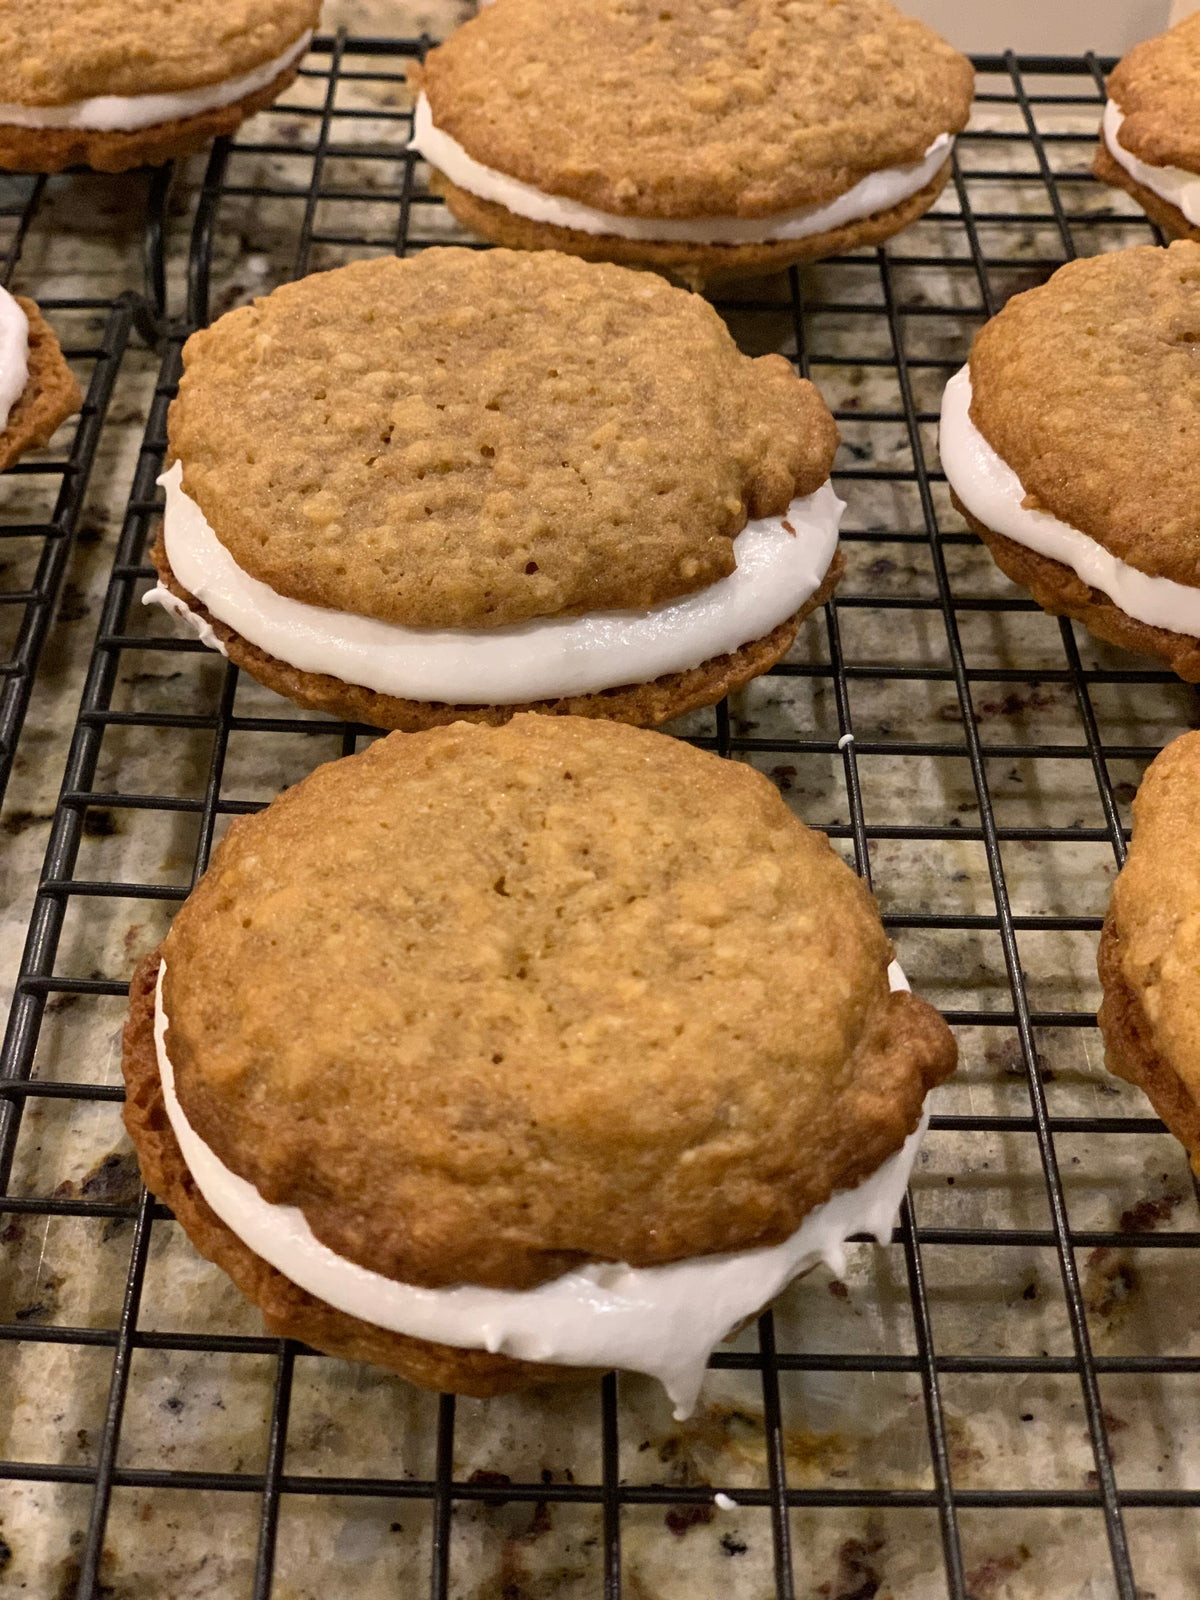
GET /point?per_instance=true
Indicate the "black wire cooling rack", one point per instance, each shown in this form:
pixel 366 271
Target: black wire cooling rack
pixel 975 757
pixel 38 537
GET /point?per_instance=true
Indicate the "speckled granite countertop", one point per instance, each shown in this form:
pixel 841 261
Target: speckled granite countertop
pixel 199 1410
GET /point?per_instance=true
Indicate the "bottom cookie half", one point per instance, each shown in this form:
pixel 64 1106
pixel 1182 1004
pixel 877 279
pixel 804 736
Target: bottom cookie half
pixel 644 705
pixel 49 397
pixel 695 264
pixel 288 1310
pixel 1061 592
pixel 1169 218
pixel 115 150
pixel 1130 1051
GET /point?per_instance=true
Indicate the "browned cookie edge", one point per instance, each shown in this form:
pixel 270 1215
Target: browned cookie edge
pixel 1129 1048
pixel 694 263
pixel 49 397
pixel 1061 592
pixel 288 1310
pixel 643 705
pixel 1168 217
pixel 53 149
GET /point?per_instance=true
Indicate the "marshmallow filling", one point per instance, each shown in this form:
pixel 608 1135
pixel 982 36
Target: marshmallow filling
pixel 662 1321
pixel 878 191
pixel 781 562
pixel 14 355
pixel 1176 185
pixel 115 113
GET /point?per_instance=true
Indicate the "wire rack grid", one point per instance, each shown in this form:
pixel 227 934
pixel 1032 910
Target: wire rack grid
pixel 46 490
pixel 996 1399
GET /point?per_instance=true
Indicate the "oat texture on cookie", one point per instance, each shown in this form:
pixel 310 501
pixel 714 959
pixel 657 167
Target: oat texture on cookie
pixel 487 1003
pixel 1150 950
pixel 1157 86
pixel 1089 388
pixel 471 439
pixel 55 52
pixel 696 109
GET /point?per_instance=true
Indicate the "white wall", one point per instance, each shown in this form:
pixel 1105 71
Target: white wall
pixel 1048 27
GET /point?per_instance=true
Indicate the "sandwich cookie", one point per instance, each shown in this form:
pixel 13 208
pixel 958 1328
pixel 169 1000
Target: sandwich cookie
pixel 1150 135
pixel 491 1054
pixel 1071 443
pixel 114 84
pixel 416 492
pixel 1149 957
pixel 38 390
pixel 702 140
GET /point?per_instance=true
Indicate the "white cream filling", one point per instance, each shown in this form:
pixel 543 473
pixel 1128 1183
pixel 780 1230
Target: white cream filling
pixel 1174 184
pixel 663 1321
pixel 991 491
pixel 112 113
pixel 878 191
pixel 14 355
pixel 777 571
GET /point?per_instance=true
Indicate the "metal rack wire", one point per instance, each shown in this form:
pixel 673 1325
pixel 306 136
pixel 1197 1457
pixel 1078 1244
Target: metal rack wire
pixel 897 321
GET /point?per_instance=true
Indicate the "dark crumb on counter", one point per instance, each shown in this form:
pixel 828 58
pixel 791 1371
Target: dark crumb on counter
pixel 680 1518
pixel 100 823
pixel 858 1577
pixel 989 1578
pixel 839 1290
pixel 1146 1215
pixel 5 1553
pixel 733 1546
pixel 499 1480
pixel 1109 1281
pixel 15 824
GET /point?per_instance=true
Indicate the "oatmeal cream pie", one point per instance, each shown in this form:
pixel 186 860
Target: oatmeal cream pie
pixel 1150 135
pixel 38 390
pixel 490 1053
pixel 413 492
pixel 114 84
pixel 1150 948
pixel 1071 442
pixel 702 138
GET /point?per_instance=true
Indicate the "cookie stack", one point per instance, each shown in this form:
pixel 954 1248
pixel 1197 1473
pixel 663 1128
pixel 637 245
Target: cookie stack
pixel 417 492
pixel 1071 442
pixel 707 141
pixel 494 1054
pixel 1150 137
pixel 37 388
pixel 114 84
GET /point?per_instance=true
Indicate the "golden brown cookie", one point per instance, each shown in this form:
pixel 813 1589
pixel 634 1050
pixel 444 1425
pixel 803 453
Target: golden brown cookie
pixel 491 1003
pixel 1157 87
pixel 1150 948
pixel 50 396
pixel 689 115
pixel 287 1309
pixel 57 54
pixel 468 441
pixel 1150 136
pixel 1088 389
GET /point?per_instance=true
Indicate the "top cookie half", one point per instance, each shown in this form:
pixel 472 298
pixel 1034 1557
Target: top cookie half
pixel 474 440
pixel 57 52
pixel 1157 87
pixel 696 109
